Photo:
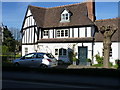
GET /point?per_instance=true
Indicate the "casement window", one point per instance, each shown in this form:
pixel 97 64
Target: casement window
pixel 26 50
pixel 65 16
pixel 64 51
pixel 62 33
pixel 45 33
pixel 56 51
pixel 61 52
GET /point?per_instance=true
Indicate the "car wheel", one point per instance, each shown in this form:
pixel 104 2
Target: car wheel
pixel 43 66
pixel 60 62
pixel 16 64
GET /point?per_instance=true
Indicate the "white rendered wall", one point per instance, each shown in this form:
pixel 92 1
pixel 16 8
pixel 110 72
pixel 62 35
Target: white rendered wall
pixel 82 32
pixel 115 54
pixel 70 32
pixel 75 32
pixel 88 31
pixel 51 33
pixel 31 48
pixel 50 48
pixel 29 21
pixel 28 36
pixel 29 13
pixel 98 49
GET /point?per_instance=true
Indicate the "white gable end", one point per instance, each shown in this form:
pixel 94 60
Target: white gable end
pixel 65 11
pixel 29 29
pixel 29 12
pixel 65 16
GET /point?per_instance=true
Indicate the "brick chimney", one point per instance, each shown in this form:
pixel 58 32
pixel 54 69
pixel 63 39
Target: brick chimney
pixel 91 9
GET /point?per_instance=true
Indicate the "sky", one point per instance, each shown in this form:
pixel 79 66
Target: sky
pixel 13 13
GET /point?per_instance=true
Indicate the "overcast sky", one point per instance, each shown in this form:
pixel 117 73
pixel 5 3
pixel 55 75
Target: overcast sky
pixel 13 12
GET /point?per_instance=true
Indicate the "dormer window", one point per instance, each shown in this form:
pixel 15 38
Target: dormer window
pixel 65 16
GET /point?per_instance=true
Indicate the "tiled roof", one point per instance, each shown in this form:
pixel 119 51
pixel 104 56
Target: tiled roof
pixel 105 22
pixel 66 40
pixel 50 17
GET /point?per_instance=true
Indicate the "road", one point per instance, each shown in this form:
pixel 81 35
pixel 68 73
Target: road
pixel 26 84
pixel 45 80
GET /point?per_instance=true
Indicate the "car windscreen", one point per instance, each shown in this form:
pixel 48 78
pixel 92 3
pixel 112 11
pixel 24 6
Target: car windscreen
pixel 49 55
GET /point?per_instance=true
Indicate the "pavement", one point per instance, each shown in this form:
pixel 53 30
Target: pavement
pixel 76 67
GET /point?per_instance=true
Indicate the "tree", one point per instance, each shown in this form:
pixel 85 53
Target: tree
pixel 107 32
pixel 8 40
pixel 16 33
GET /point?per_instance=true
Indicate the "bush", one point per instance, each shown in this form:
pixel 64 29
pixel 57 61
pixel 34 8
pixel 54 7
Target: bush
pixel 117 61
pixel 110 64
pixel 89 60
pixel 115 66
pixel 99 59
pixel 5 49
pixel 75 59
pixel 18 56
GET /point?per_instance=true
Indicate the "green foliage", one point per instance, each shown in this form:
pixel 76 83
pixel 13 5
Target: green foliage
pixel 5 49
pixel 116 61
pixel 9 42
pixel 89 60
pixel 72 54
pixel 97 65
pixel 18 56
pixel 115 66
pixel 75 59
pixel 101 65
pixel 99 59
pixel 110 64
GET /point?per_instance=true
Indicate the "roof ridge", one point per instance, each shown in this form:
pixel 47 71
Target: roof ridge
pixel 67 5
pixel 36 6
pixel 107 19
pixel 57 6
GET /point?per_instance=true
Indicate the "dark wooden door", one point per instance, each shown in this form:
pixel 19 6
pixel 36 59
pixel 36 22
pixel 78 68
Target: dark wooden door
pixel 82 55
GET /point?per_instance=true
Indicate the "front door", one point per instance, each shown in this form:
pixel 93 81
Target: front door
pixel 82 55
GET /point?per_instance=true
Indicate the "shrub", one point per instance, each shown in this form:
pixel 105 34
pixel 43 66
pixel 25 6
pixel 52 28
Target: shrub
pixel 117 61
pixel 110 64
pixel 89 60
pixel 99 59
pixel 5 49
pixel 75 59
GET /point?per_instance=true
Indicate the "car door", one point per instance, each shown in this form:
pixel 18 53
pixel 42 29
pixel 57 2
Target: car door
pixel 37 60
pixel 27 60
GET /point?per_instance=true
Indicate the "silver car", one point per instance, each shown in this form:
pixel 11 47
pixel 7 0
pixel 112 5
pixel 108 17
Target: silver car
pixel 42 60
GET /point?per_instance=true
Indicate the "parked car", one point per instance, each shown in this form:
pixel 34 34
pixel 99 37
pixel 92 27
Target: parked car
pixel 60 62
pixel 42 60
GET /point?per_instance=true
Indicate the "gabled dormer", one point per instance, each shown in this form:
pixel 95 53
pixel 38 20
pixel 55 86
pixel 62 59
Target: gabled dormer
pixel 65 16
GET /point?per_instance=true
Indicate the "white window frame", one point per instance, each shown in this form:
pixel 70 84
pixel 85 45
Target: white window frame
pixel 65 16
pixel 57 52
pixel 45 33
pixel 62 33
pixel 26 50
